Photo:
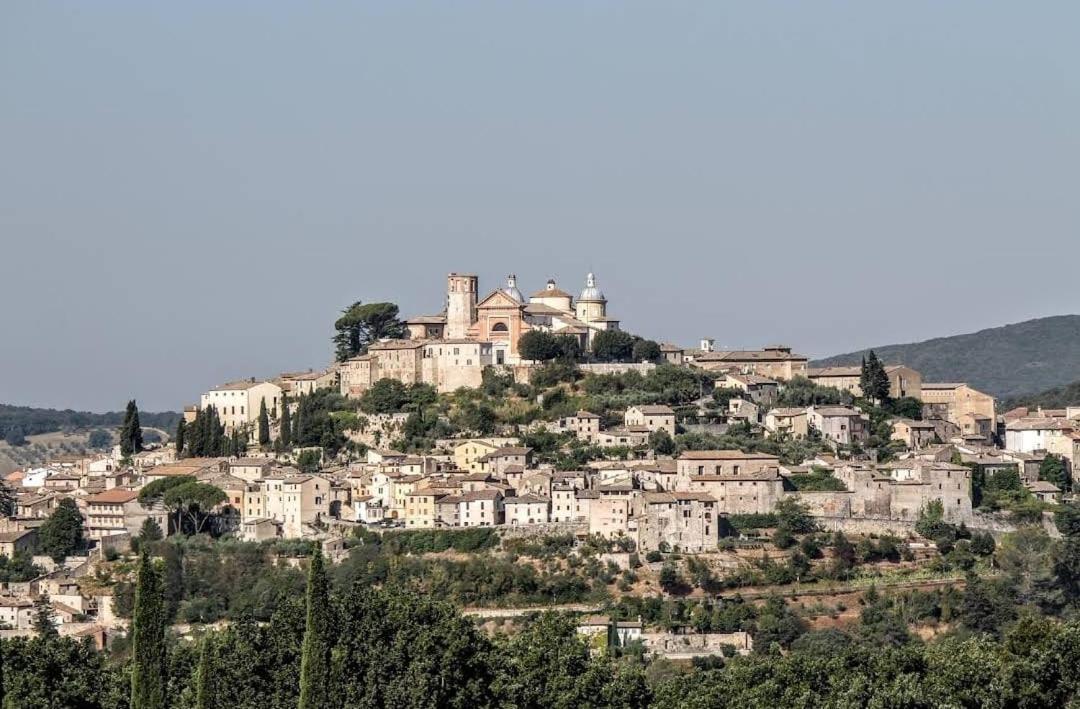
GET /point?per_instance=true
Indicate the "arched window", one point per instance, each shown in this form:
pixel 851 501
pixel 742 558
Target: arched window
pixel 499 327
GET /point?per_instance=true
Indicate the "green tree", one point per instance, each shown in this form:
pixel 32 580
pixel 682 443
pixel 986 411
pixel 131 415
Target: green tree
pixel 7 500
pixel 204 675
pixel 148 666
pixel 195 500
pixel 62 533
pixel 131 440
pixel 15 437
pixel 285 425
pixel 646 351
pixel 613 346
pixel 43 617
pixel 1053 470
pixel 309 461
pixel 99 439
pixel 361 325
pixel 264 425
pixel 150 531
pixel 662 442
pixel 539 346
pixel 386 396
pixel 315 689
pixel 873 380
pixel 179 439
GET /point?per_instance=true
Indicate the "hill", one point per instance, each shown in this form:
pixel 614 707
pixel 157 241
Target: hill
pixel 1010 361
pixel 33 421
pixel 1056 398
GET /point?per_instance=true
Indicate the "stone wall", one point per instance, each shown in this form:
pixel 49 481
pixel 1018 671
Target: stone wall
pixel 548 529
pixel 642 368
pixel 696 644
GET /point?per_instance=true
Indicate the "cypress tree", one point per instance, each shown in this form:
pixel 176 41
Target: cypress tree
pixel 315 660
pixel 873 379
pixel 298 422
pixel 148 665
pixel 131 441
pixel 264 425
pixel 181 431
pixel 204 675
pixel 285 425
pixel 217 434
pixel 43 617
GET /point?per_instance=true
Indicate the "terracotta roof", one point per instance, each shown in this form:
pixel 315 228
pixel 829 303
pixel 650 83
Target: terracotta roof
pixel 241 385
pixel 1039 424
pixel 524 500
pixel 725 455
pixel 751 355
pixel 551 293
pixel 397 345
pixel 654 409
pixel 427 320
pixel 113 497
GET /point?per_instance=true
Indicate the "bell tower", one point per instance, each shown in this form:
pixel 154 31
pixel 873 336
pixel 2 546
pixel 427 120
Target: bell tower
pixel 461 290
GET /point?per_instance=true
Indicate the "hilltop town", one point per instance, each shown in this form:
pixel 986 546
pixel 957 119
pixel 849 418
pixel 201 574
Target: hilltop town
pixel 539 421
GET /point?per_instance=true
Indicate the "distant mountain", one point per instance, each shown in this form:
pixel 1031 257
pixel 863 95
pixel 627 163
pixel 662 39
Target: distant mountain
pixel 1010 361
pixel 1056 398
pixel 33 421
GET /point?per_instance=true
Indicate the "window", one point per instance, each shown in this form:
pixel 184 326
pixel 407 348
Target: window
pixel 499 327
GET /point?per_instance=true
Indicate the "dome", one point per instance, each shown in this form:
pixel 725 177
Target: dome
pixel 591 292
pixel 511 289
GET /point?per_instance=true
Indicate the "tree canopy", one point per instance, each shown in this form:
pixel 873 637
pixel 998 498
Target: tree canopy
pixel 360 325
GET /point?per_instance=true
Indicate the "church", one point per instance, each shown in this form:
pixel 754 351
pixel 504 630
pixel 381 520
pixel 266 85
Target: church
pixel 504 315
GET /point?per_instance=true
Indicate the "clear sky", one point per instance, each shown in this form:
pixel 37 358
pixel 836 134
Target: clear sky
pixel 190 191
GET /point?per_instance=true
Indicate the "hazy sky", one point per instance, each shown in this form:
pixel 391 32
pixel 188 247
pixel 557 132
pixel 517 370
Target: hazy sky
pixel 190 191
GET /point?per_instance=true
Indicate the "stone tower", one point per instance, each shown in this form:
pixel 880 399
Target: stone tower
pixel 461 289
pixel 591 304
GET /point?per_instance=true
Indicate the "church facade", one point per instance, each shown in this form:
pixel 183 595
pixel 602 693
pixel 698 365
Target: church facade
pixel 504 315
pixel 450 349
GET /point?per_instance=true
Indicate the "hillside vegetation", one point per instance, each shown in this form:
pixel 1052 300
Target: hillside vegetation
pixel 32 421
pixel 1010 361
pixel 1055 398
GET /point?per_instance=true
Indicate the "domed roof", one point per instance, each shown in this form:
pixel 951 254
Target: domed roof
pixel 511 289
pixel 591 292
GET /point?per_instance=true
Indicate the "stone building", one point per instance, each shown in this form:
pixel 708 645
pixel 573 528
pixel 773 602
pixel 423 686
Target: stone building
pixel 683 521
pixel 903 381
pixel 775 362
pixel 654 417
pixel 951 401
pixel 238 403
pixel 843 425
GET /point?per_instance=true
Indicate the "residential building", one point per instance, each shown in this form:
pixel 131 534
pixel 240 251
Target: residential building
pixel 677 521
pixel 527 509
pixel 759 389
pixel 238 403
pixel 775 362
pixel 656 417
pixel 903 381
pixel 843 425
pixel 950 401
pixel 790 422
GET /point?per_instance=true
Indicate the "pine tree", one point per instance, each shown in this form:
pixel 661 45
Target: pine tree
pixel 43 617
pixel 131 440
pixel 148 665
pixel 181 432
pixel 204 675
pixel 285 425
pixel 264 425
pixel 315 660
